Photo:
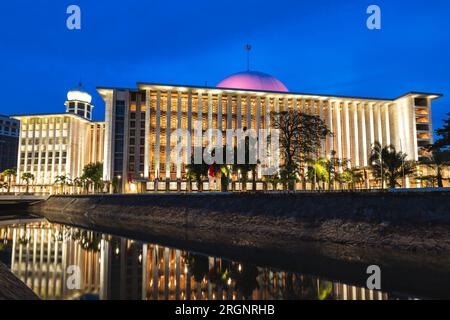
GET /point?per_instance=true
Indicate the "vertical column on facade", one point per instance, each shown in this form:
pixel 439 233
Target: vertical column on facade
pixel 322 117
pixel 249 112
pixel 277 105
pixel 38 179
pixel 229 111
pixel 189 124
pixel 179 106
pixel 337 114
pixel 219 113
pixel 168 122
pixel 157 133
pixel 363 134
pixel 52 179
pixel 330 127
pixel 147 134
pixel 258 127
pixel 239 112
pixel 200 110
pixel 355 134
pixel 267 112
pixel 387 124
pixel 210 114
pixel 47 174
pixel 93 137
pixel 371 126
pixel 303 106
pixel 378 123
pixel 61 143
pixel 312 107
pixel 347 134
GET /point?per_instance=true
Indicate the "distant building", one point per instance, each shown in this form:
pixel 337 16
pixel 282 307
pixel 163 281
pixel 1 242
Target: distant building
pixel 58 144
pixel 9 139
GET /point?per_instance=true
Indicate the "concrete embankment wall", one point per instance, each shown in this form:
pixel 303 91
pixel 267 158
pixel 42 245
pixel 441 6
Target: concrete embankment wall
pixel 417 221
pixel 12 288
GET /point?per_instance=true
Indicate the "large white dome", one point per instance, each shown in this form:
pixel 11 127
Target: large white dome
pixel 76 95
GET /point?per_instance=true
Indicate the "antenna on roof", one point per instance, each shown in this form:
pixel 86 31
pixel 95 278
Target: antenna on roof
pixel 248 48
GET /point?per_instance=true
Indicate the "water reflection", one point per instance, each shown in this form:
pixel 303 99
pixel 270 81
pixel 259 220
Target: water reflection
pixel 118 268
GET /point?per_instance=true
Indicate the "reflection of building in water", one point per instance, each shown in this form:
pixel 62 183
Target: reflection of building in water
pixel 172 274
pixel 42 253
pixel 119 268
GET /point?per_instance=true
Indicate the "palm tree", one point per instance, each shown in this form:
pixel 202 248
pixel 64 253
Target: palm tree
pixel 389 165
pixel 27 177
pixel 93 173
pixel 332 166
pixel 352 177
pixel 318 171
pixel 9 173
pixel 439 160
pixel 197 172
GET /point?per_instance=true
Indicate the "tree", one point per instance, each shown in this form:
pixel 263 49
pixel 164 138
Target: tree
pixel 300 139
pixel 93 173
pixel 318 172
pixel 444 135
pixel 197 172
pixel 246 167
pixel 61 181
pixel 389 165
pixel 9 174
pixel 28 178
pixel 352 177
pixel 438 161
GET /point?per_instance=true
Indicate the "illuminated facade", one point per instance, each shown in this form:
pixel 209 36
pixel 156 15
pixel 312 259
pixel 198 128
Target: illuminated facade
pixel 139 123
pixel 52 145
pixel 135 141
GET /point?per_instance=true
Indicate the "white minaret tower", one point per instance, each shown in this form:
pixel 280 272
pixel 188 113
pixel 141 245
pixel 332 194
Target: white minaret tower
pixel 79 103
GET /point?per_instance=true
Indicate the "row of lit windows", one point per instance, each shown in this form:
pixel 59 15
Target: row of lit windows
pixel 34 168
pixel 46 120
pixel 38 141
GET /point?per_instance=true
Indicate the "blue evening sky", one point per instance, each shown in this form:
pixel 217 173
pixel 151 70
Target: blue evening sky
pixel 312 46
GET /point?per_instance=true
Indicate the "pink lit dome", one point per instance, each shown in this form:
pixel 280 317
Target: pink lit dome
pixel 252 80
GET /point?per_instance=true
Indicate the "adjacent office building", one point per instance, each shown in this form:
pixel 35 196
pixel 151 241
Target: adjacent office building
pixel 9 140
pixel 60 144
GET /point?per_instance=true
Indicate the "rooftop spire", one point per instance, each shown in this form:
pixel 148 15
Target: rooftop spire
pixel 248 48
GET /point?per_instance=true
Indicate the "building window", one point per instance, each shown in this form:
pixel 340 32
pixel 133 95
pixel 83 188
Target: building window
pixel 421 102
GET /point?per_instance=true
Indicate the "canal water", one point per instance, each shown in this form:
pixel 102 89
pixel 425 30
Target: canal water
pixel 64 262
